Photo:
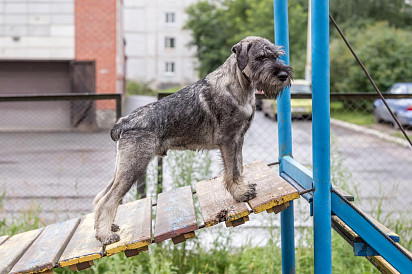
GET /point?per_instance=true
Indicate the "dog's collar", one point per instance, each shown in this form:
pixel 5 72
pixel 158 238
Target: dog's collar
pixel 247 78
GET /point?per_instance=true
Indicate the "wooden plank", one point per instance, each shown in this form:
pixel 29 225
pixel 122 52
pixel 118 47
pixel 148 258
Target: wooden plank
pixel 175 214
pixel 135 221
pixel 217 204
pixel 384 229
pixel 3 238
pixel 12 249
pixel 271 189
pixel 382 265
pixel 345 194
pixel 47 248
pixel 345 231
pixel 83 246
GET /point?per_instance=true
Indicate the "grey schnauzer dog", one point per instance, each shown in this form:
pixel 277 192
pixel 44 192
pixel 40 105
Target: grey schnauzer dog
pixel 213 113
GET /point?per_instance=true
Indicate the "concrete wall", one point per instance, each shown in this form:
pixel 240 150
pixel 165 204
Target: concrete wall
pixel 37 30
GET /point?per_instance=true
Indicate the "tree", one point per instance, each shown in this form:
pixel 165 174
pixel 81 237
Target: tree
pixel 217 25
pixel 385 51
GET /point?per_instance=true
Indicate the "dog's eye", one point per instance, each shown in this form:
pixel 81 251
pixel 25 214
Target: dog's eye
pixel 261 58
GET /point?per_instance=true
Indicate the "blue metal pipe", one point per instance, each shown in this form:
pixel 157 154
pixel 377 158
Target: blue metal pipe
pixel 321 136
pixel 280 8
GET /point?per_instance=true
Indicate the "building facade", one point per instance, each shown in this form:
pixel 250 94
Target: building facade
pixel 156 45
pixel 51 46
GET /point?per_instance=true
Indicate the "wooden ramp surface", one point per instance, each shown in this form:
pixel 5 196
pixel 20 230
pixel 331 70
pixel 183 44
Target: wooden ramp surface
pixel 72 243
pixel 3 238
pixel 47 248
pixel 216 203
pixel 12 249
pixel 175 215
pixel 83 246
pixel 135 220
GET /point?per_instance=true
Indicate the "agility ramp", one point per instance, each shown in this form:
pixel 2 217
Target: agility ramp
pixel 72 243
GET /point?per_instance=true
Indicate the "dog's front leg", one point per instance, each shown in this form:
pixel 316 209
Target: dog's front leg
pixel 234 181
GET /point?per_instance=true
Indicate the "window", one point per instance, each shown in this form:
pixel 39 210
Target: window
pixel 170 67
pixel 170 17
pixel 169 42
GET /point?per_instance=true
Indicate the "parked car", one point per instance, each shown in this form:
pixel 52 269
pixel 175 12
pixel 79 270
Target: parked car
pixel 300 108
pixel 402 108
pixel 258 101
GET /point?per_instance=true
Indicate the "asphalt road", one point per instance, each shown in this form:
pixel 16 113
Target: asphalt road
pixel 62 172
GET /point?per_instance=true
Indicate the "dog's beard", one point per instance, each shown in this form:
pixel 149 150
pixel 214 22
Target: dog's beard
pixel 270 85
pixel 264 79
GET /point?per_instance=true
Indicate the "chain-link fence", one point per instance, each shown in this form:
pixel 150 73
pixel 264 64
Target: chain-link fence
pixel 54 158
pixel 56 152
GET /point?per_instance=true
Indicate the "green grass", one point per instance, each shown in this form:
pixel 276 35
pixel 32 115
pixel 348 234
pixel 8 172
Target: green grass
pixel 358 117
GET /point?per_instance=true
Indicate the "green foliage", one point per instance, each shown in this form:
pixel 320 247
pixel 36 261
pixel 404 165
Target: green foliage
pixel 217 25
pixel 356 13
pixel 384 48
pixel 137 88
pixel 385 51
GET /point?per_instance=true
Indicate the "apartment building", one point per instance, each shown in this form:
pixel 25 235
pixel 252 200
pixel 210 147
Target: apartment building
pixel 156 45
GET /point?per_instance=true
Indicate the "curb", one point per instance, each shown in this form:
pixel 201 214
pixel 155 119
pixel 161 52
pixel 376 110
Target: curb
pixel 369 131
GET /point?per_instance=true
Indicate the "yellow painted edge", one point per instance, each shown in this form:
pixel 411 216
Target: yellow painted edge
pixel 238 216
pixel 276 202
pixel 80 260
pixel 115 250
pixel 211 223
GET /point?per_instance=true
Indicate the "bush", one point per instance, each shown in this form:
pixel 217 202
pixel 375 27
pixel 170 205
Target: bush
pixel 384 50
pixel 137 88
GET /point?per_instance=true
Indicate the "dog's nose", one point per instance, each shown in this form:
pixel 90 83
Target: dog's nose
pixel 282 76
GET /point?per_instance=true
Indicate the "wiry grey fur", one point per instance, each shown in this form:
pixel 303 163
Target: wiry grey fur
pixel 213 113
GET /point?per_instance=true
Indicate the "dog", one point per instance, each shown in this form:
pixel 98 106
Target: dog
pixel 213 113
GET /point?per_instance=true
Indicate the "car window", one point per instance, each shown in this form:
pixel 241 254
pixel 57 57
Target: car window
pixel 299 89
pixel 401 89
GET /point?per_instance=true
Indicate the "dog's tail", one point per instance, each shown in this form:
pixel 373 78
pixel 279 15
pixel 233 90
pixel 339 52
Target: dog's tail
pixel 116 131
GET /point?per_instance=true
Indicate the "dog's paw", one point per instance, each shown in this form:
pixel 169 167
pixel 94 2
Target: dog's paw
pixel 245 193
pixel 115 228
pixel 112 238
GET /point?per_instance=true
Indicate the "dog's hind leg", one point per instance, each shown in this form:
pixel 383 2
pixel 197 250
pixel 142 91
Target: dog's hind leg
pixel 134 155
pixel 107 188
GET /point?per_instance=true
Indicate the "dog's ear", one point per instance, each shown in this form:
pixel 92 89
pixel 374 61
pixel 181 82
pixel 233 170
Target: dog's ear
pixel 241 50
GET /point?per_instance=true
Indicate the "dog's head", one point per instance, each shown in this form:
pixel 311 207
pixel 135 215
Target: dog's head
pixel 258 60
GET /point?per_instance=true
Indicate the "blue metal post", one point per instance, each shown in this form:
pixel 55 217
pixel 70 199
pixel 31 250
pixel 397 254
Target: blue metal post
pixel 321 136
pixel 285 135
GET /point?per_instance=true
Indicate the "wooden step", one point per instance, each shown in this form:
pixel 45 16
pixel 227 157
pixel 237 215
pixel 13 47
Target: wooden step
pixel 217 204
pixel 3 238
pixel 382 265
pixel 47 248
pixel 175 215
pixel 271 189
pixel 360 247
pixel 135 221
pixel 83 247
pixel 12 249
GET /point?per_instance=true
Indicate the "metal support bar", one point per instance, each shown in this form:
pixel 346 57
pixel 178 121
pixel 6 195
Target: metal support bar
pixel 371 234
pixel 285 135
pixel 321 136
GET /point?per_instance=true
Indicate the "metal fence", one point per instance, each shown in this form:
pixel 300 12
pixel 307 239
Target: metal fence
pixel 60 165
pixel 56 152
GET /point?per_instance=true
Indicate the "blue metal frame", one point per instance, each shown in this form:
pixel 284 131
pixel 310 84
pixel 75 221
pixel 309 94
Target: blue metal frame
pixel 280 8
pixel 321 136
pixel 325 201
pixel 364 227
